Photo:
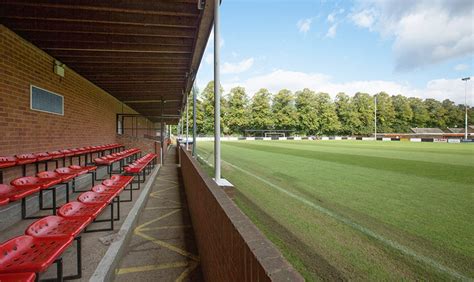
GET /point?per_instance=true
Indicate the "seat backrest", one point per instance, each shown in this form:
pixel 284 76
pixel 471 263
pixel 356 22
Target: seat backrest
pixel 12 248
pixel 25 180
pixel 42 154
pixel 48 174
pixel 100 188
pixel 26 156
pixel 44 226
pixel 4 159
pixel 63 170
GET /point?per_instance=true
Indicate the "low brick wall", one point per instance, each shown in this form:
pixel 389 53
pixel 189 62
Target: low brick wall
pixel 230 246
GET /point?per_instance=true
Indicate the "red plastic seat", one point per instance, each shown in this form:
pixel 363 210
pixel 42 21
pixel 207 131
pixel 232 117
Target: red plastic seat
pixel 51 174
pixel 123 179
pixel 67 170
pixel 41 157
pixel 31 254
pixel 114 190
pixel 56 154
pixel 103 161
pixel 88 168
pixel 53 226
pixel 33 182
pixel 7 162
pixel 95 198
pixel 78 209
pixel 10 193
pixel 25 159
pixel 67 153
pixel 18 277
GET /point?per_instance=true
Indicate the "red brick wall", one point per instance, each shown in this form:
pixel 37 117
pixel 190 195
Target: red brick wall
pixel 89 112
pixel 230 247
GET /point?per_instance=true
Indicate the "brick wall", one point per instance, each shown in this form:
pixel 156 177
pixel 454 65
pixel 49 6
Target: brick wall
pixel 89 112
pixel 230 247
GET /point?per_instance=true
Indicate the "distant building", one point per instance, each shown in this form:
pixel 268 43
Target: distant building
pixel 435 130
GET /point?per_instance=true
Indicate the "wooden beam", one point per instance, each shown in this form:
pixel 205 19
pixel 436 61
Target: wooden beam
pixel 58 15
pixel 115 55
pixel 113 47
pixel 39 36
pixel 29 25
pixel 140 7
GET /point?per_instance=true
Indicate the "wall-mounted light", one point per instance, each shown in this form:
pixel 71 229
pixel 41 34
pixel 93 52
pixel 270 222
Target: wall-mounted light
pixel 59 68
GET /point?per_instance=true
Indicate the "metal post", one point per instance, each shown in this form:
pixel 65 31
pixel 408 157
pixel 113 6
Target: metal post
pixel 194 121
pixel 161 133
pixel 465 105
pixel 375 117
pixel 217 96
pixel 187 123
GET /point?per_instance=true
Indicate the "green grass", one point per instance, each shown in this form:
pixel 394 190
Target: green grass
pixel 417 195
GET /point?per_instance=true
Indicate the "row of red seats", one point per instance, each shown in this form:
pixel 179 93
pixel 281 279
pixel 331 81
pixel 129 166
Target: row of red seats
pixel 139 166
pixel 23 159
pixel 22 187
pixel 112 158
pixel 25 257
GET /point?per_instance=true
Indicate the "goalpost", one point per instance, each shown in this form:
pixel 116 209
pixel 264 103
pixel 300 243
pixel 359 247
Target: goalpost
pixel 275 134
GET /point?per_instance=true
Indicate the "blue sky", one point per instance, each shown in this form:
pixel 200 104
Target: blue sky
pixel 416 48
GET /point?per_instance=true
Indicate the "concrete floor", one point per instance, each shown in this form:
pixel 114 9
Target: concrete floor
pixel 163 247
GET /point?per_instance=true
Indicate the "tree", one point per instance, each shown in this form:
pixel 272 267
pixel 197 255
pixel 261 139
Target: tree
pixel 437 114
pixel 420 113
pixel 454 114
pixel 347 115
pixel 237 114
pixel 403 114
pixel 207 109
pixel 385 113
pixel 283 109
pixel 328 122
pixel 260 110
pixel 364 106
pixel 307 117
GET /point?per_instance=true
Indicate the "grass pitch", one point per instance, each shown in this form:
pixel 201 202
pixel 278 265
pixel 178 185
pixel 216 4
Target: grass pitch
pixel 359 210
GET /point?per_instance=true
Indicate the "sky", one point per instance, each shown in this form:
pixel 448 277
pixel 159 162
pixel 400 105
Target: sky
pixel 416 48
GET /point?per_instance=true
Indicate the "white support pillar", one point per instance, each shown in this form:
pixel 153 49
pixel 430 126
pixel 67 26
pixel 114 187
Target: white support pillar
pixel 375 117
pixel 194 121
pixel 217 95
pixel 187 123
pixel 217 102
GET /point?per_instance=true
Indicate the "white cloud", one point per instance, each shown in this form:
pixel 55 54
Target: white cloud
pixel 461 67
pixel 364 18
pixel 304 25
pixel 425 32
pixel 276 80
pixel 239 67
pixel 332 31
pixel 331 18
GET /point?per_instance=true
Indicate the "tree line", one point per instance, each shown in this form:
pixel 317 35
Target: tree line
pixel 310 113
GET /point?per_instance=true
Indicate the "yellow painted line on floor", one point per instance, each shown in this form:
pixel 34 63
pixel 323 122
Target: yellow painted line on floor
pixel 155 220
pixel 187 271
pixel 167 246
pixel 152 267
pixel 165 227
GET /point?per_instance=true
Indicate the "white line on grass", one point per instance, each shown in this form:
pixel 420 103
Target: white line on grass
pixel 358 227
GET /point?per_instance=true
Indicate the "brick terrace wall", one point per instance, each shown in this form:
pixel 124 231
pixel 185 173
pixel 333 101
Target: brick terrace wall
pixel 144 144
pixel 89 112
pixel 230 247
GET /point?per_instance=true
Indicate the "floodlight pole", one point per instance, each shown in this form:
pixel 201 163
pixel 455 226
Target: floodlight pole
pixel 375 117
pixel 194 121
pixel 162 139
pixel 187 123
pixel 465 105
pixel 217 96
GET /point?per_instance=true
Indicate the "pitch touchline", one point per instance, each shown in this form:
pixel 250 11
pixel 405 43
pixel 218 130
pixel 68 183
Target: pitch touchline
pixel 358 227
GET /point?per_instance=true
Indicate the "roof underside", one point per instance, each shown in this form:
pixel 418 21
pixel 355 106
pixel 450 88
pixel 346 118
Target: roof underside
pixel 140 51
